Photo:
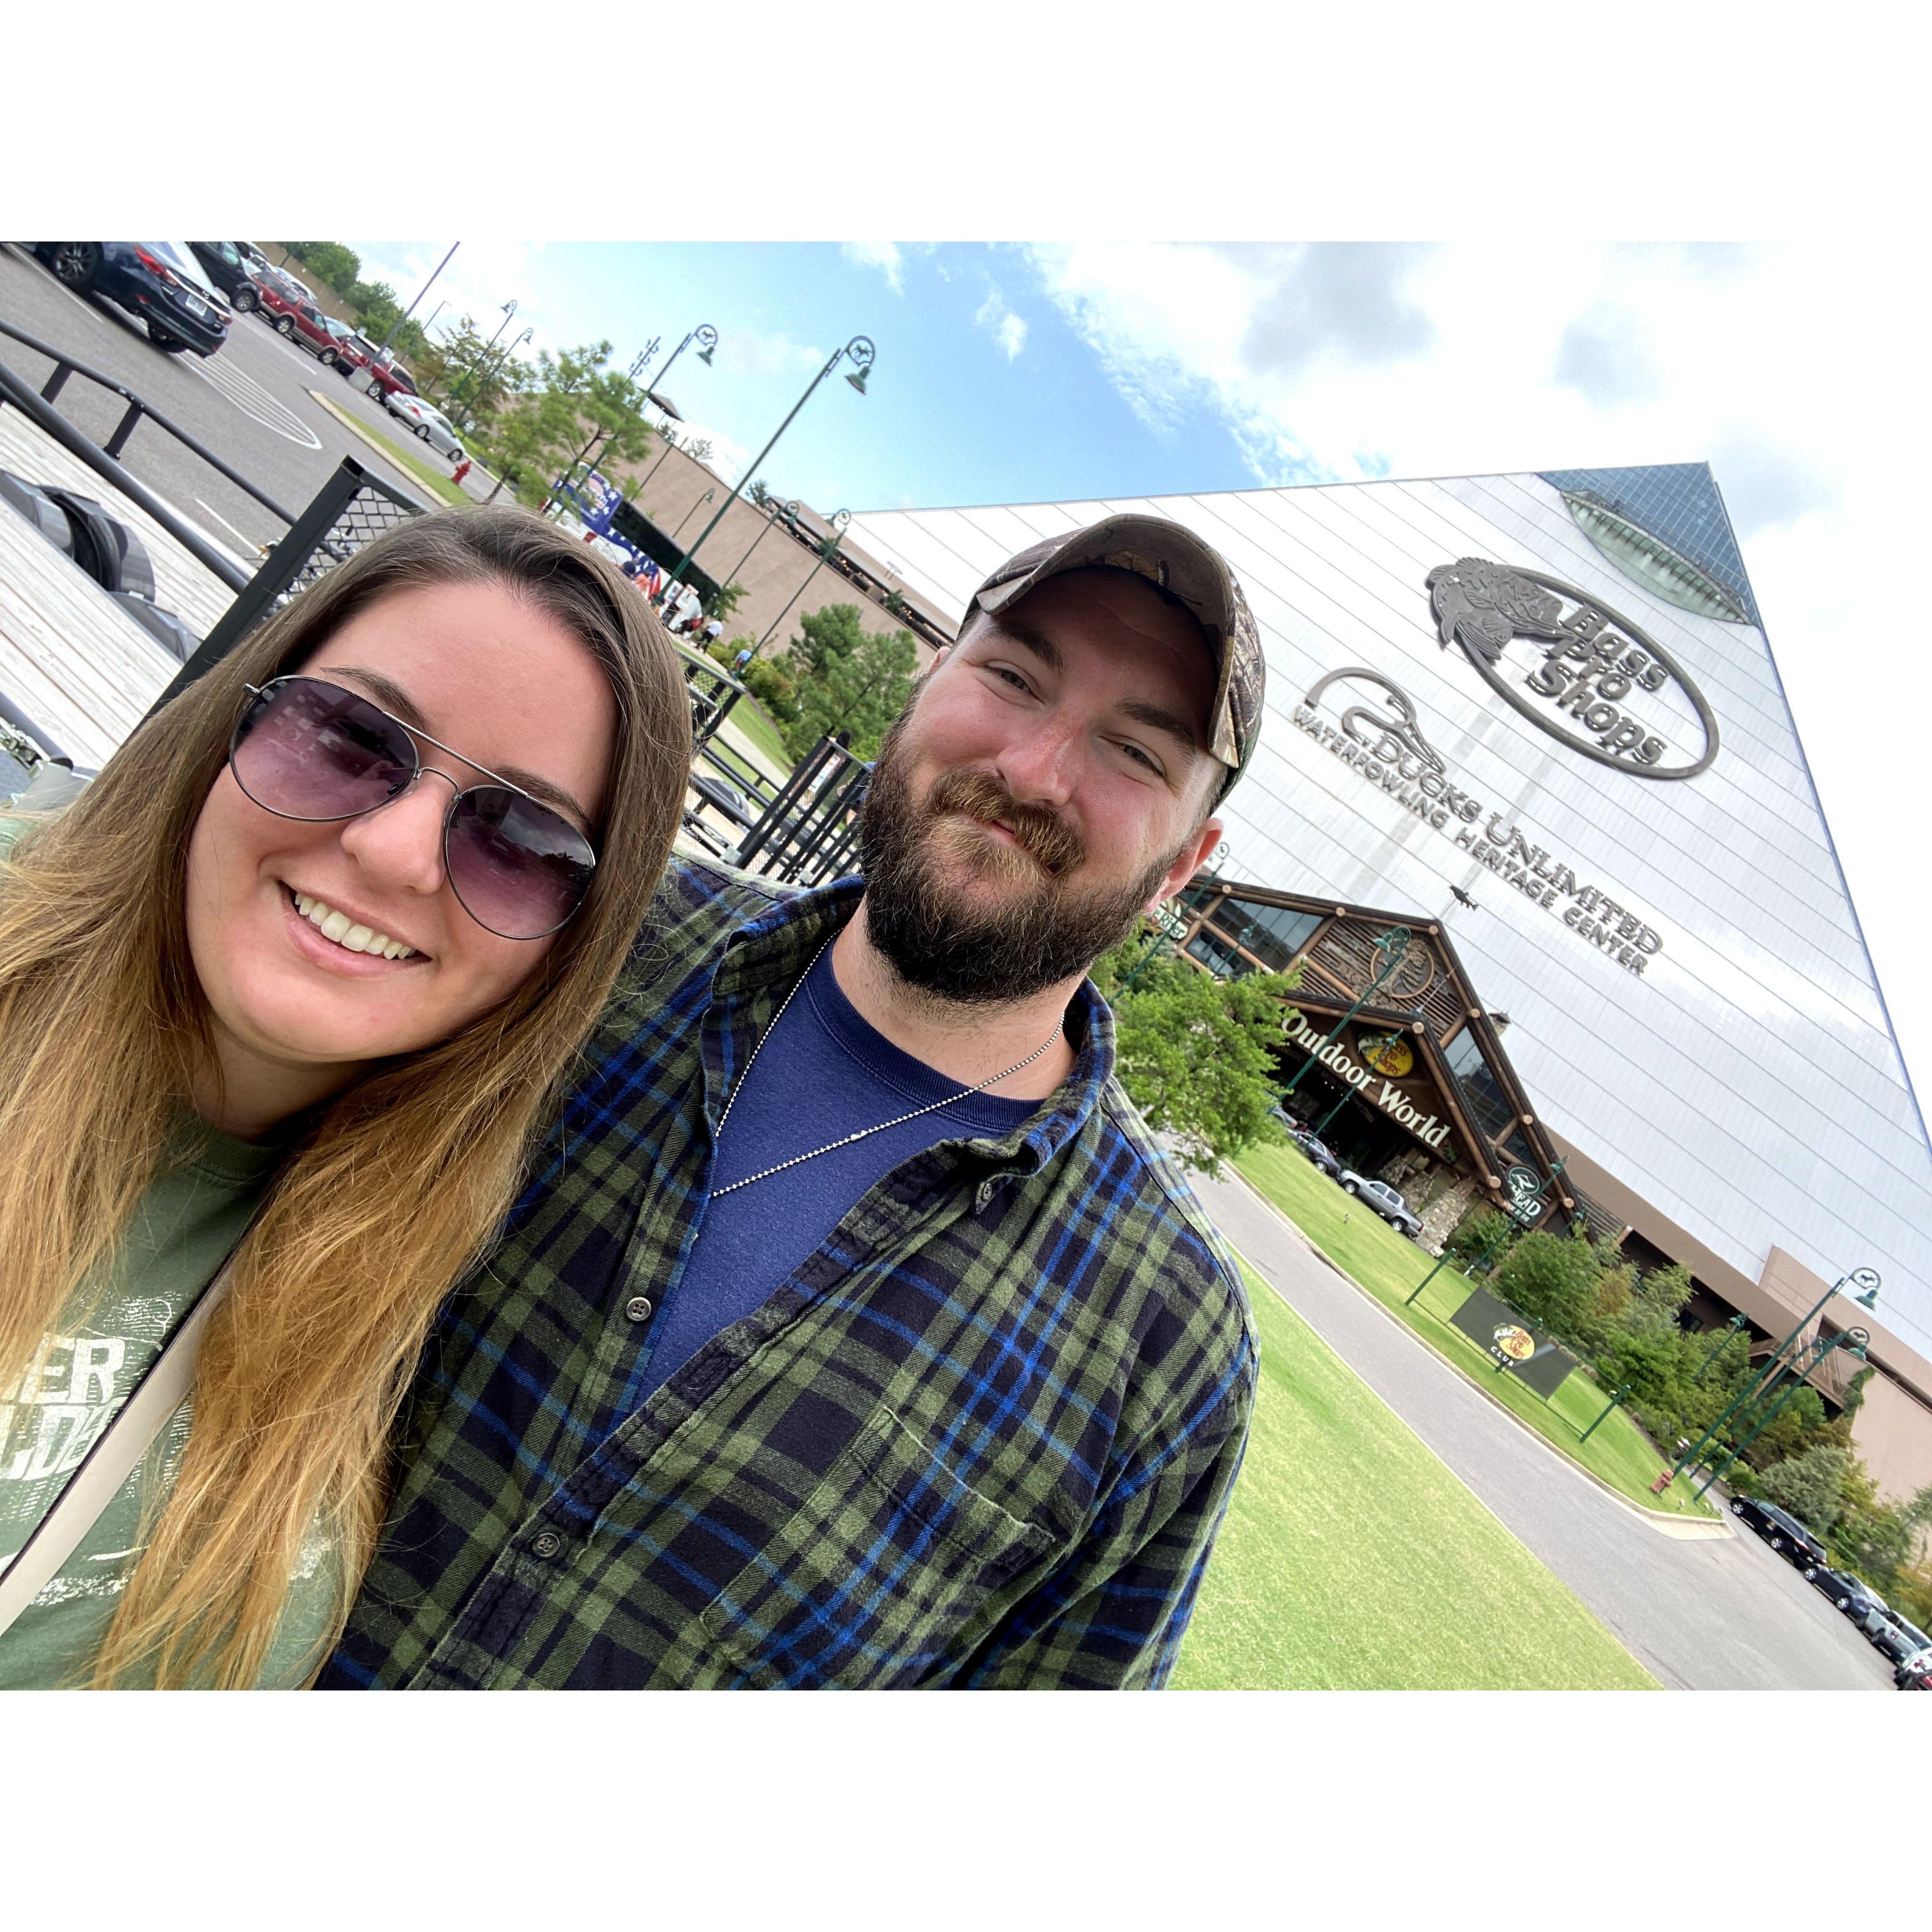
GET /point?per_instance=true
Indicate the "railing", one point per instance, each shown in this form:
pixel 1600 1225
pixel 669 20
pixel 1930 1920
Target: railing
pixel 809 832
pixel 14 391
pixel 354 505
pixel 137 409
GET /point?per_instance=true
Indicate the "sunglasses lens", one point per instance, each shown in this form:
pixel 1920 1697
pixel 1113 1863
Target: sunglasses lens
pixel 519 868
pixel 311 750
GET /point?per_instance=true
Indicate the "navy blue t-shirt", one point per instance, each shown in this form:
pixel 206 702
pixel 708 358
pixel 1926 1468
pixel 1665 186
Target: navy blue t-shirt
pixel 823 1072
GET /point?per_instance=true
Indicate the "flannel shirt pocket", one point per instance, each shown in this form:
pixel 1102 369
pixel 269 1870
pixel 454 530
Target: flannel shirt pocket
pixel 871 1579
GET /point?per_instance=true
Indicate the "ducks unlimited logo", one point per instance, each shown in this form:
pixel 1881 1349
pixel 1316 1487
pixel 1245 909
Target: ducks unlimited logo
pixel 1387 747
pixel 1630 700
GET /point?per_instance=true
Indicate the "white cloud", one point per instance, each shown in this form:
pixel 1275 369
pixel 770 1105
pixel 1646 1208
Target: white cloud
pixel 1787 368
pixel 1007 329
pixel 883 256
pixel 751 355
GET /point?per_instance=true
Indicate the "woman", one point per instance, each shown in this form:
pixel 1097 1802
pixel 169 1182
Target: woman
pixel 290 982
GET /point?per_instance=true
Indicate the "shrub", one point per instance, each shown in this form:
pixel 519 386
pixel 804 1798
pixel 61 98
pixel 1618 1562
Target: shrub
pixel 1477 1230
pixel 1551 1278
pixel 1810 1486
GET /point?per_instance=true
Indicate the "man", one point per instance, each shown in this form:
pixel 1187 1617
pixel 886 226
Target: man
pixel 853 1330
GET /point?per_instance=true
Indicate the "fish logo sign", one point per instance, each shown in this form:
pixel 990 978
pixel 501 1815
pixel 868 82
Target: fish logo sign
pixel 1632 703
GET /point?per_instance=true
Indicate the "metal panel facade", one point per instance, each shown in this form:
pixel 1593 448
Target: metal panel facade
pixel 1717 1039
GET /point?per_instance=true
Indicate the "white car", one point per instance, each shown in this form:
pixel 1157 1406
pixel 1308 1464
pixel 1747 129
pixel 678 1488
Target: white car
pixel 428 420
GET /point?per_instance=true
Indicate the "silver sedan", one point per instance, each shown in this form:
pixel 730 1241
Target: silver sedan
pixel 429 422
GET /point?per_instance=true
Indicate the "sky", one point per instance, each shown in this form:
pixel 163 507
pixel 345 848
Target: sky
pixel 1025 373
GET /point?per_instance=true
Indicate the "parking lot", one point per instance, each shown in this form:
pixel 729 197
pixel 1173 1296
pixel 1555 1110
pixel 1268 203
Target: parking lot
pixel 249 402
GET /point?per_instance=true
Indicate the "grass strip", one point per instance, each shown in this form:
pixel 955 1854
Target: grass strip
pixel 396 453
pixel 1364 1246
pixel 1351 1558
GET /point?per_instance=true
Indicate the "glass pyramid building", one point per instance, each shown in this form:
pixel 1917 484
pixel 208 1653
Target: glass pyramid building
pixel 1542 709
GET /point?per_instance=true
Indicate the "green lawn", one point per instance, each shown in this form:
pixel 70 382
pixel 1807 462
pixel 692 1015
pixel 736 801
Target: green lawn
pixel 1352 1559
pixel 1364 1245
pixel 749 717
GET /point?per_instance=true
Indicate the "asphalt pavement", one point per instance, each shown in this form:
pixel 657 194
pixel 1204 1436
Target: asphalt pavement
pixel 249 403
pixel 1699 1612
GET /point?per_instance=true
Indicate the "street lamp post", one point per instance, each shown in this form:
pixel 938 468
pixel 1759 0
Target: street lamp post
pixel 862 355
pixel 1731 1328
pixel 1863 1278
pixel 706 336
pixel 1393 947
pixel 469 374
pixel 692 512
pixel 1623 1390
pixel 420 293
pixel 773 511
pixel 839 520
pixel 1856 1339
pixel 501 362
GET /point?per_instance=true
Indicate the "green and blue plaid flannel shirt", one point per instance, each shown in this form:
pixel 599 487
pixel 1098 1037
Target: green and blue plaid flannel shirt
pixel 983 1436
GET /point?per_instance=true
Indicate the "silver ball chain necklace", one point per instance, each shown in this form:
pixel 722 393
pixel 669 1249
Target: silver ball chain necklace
pixel 765 1174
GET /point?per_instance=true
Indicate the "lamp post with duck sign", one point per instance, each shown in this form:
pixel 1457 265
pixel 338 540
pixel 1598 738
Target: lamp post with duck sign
pixel 862 355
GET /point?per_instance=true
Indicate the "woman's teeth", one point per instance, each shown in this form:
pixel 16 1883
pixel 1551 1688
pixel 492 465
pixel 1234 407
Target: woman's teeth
pixel 336 925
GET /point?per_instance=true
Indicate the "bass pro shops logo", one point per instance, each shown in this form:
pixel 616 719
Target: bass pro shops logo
pixel 1633 705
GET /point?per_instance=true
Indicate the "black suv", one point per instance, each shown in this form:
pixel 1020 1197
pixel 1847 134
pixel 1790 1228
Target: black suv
pixel 1782 1532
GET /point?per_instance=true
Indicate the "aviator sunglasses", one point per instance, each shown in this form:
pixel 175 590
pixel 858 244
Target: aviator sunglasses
pixel 305 749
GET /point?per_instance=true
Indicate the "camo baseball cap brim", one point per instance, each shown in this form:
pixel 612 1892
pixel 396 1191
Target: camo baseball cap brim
pixel 1172 556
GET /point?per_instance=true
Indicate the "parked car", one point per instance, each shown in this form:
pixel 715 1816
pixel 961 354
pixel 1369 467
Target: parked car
pixel 1841 1591
pixel 352 355
pixel 725 798
pixel 160 282
pixel 298 318
pixel 429 422
pixel 388 378
pixel 1317 1153
pixel 1384 1200
pixel 1915 1673
pixel 231 271
pixel 1782 1531
pixel 1899 1639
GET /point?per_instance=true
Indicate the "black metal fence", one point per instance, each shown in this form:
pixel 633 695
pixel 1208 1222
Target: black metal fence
pixel 354 506
pixel 808 834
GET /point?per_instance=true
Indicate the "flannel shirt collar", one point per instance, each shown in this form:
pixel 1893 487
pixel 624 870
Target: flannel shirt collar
pixel 768 955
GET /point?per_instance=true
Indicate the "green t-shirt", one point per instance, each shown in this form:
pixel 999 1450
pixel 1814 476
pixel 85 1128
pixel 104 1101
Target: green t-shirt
pixel 181 1233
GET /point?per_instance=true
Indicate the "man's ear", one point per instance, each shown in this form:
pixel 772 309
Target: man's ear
pixel 1193 857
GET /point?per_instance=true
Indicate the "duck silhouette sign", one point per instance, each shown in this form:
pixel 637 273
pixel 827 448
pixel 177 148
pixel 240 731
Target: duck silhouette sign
pixel 1575 668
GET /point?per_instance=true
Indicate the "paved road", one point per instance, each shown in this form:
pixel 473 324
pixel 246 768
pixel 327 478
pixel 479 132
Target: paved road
pixel 1713 1614
pixel 248 403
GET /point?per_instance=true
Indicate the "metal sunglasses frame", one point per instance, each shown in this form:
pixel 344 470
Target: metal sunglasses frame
pixel 258 692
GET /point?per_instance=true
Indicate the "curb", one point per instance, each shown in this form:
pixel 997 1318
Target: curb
pixel 386 451
pixel 1681 1529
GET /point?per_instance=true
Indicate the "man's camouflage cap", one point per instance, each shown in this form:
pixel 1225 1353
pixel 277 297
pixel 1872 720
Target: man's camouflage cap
pixel 1181 563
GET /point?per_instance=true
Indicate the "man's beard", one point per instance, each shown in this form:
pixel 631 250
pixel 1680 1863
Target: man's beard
pixel 1041 931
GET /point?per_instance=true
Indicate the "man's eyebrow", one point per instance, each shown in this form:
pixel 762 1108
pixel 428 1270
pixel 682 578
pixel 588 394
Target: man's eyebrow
pixel 1157 718
pixel 393 698
pixel 1036 641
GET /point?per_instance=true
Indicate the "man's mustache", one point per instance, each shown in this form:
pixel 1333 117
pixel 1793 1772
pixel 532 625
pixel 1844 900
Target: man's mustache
pixel 1042 835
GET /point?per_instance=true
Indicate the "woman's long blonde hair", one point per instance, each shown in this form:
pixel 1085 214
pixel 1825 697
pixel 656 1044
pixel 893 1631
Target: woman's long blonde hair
pixel 388 1196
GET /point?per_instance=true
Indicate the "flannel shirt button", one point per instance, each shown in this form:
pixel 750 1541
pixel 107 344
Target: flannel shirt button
pixel 985 1194
pixel 638 1308
pixel 546 1544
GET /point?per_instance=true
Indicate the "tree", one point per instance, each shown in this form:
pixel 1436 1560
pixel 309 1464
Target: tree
pixel 1552 1279
pixel 575 406
pixel 1194 1052
pixel 848 678
pixel 340 268
pixel 755 492
pixel 724 600
pixel 1811 1486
